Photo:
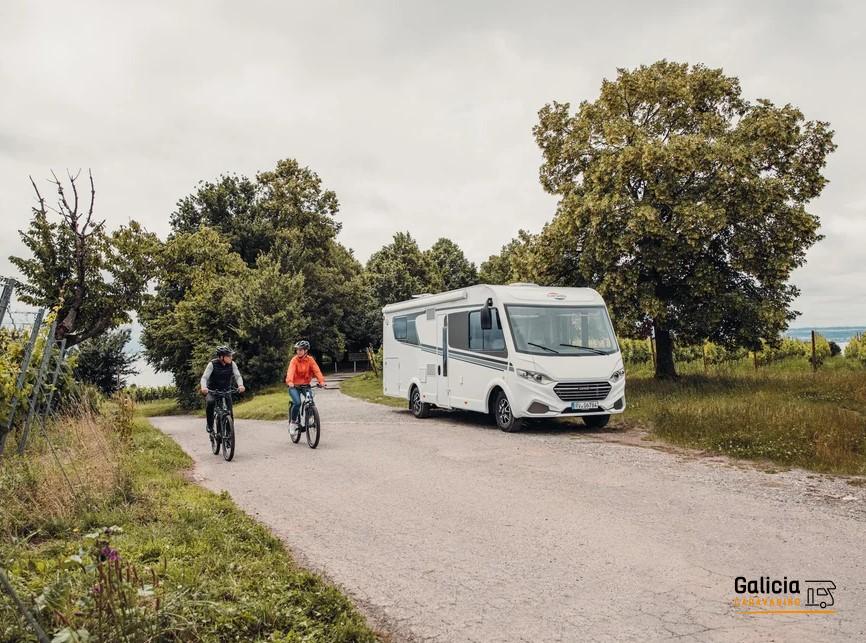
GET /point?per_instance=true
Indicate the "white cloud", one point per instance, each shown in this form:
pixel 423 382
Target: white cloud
pixel 418 114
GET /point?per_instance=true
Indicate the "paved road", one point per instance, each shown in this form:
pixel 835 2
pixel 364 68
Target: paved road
pixel 447 529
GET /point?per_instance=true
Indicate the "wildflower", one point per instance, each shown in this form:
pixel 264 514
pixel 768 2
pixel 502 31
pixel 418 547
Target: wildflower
pixel 108 553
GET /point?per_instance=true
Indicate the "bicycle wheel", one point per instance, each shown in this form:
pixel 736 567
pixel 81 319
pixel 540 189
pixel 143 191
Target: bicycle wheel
pixel 313 427
pixel 215 442
pixel 228 438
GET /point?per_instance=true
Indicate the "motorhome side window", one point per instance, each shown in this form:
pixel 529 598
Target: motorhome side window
pixel 405 330
pixel 465 333
pixel 485 340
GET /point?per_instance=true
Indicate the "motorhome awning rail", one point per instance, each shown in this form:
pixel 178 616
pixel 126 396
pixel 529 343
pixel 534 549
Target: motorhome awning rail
pixel 426 302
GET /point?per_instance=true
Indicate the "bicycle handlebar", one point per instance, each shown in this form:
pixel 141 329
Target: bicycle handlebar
pixel 229 392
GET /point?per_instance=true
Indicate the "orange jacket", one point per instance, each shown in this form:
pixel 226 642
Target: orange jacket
pixel 302 370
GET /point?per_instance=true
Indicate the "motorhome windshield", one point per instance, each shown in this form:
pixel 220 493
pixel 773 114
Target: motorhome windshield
pixel 561 330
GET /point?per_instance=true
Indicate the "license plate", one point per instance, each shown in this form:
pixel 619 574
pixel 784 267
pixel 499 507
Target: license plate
pixel 583 406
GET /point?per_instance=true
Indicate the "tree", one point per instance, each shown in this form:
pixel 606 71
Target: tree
pixel 400 270
pixel 95 277
pixel 454 270
pixel 206 295
pixel 104 362
pixel 685 203
pixel 513 263
pixel 288 215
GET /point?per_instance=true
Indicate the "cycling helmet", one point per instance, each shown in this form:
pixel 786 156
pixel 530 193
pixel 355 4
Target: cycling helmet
pixel 224 350
pixel 302 344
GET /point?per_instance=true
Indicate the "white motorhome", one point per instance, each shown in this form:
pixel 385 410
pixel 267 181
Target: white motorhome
pixel 517 351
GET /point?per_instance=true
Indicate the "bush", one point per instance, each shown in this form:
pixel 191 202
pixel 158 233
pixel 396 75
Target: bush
pixel 151 393
pixel 635 351
pixel 856 349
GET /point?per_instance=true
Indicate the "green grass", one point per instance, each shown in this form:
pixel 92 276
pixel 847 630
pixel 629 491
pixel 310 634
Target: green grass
pixel 783 413
pixel 369 387
pixel 270 404
pixel 157 407
pixel 793 418
pixel 220 575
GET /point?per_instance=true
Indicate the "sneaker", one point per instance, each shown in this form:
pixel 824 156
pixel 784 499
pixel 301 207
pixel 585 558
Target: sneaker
pixel 208 429
pixel 293 427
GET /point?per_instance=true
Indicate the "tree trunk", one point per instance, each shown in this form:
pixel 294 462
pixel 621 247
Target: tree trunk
pixel 665 368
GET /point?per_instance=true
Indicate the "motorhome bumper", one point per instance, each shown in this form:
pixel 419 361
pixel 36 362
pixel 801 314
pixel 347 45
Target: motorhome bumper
pixel 539 400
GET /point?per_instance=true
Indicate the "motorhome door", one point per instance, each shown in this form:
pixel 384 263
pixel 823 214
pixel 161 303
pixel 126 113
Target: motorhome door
pixel 442 389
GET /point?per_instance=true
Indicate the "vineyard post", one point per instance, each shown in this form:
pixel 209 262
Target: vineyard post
pixel 22 377
pixel 704 351
pixel 6 297
pixel 34 396
pixel 814 355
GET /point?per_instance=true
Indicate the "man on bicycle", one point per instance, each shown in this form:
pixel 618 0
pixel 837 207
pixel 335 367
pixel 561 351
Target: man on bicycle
pixel 218 376
pixel 302 369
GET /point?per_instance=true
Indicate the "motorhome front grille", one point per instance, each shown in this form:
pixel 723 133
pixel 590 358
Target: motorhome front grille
pixel 582 391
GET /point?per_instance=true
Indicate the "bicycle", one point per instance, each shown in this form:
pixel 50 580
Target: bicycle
pixel 223 434
pixel 308 418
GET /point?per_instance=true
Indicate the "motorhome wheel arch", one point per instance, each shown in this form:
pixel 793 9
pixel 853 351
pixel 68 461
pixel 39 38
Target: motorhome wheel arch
pixel 517 351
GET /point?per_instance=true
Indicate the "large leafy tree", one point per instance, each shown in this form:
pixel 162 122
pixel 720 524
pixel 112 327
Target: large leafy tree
pixel 515 262
pixel 684 203
pixel 399 270
pixel 104 362
pixel 206 295
pixel 95 277
pixel 287 215
pixel 453 268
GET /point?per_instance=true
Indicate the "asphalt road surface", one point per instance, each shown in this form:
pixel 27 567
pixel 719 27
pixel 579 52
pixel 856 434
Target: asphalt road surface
pixel 447 529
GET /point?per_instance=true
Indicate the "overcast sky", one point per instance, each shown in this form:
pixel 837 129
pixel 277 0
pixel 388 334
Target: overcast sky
pixel 418 114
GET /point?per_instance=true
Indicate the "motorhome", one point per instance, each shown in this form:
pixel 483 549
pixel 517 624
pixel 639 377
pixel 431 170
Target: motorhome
pixel 515 352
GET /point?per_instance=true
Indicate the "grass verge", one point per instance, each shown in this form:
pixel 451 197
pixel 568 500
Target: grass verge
pixel 369 387
pixel 155 408
pixel 138 553
pixel 784 414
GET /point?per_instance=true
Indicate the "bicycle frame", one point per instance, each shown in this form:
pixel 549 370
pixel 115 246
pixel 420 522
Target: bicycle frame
pixel 306 394
pixel 221 408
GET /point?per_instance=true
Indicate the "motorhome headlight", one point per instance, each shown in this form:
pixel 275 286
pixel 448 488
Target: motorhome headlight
pixel 617 375
pixel 541 378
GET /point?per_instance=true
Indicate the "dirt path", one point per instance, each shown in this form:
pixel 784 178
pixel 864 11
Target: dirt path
pixel 449 530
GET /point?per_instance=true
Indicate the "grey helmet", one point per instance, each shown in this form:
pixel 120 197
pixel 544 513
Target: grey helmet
pixel 302 344
pixel 224 350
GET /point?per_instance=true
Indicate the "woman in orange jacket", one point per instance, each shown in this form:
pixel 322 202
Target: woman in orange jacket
pixel 302 369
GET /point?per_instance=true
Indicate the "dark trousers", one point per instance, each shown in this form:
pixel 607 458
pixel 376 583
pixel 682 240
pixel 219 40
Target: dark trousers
pixel 210 402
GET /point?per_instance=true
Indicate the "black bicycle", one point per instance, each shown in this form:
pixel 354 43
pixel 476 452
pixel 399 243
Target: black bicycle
pixel 223 434
pixel 308 418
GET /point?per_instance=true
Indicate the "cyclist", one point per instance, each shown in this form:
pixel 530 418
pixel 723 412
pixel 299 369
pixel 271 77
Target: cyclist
pixel 302 369
pixel 218 376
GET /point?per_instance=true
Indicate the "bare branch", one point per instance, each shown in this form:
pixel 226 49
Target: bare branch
pixel 39 196
pixel 74 190
pixel 92 197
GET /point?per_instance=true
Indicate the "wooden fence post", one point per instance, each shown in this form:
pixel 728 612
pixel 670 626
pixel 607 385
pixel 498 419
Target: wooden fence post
pixel 814 354
pixel 47 349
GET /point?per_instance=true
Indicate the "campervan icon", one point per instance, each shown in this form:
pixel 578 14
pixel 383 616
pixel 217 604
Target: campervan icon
pixel 819 593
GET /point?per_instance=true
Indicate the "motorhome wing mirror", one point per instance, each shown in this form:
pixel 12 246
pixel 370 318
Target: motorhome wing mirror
pixel 486 317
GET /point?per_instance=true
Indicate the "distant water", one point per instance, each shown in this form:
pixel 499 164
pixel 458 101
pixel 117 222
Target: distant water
pixel 839 334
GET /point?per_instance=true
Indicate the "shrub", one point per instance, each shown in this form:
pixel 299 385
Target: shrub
pixel 635 351
pixel 856 349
